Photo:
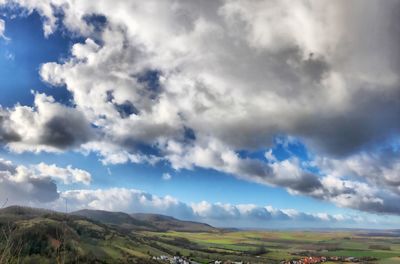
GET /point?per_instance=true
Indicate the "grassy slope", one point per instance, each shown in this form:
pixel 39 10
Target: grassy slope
pixel 169 223
pixel 52 237
pixel 119 219
pixel 149 222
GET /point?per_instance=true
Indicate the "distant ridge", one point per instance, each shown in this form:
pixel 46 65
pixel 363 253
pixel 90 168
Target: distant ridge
pixel 119 219
pixel 142 221
pixel 170 223
pixel 136 221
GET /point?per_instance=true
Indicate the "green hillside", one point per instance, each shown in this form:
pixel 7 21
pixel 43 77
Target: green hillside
pixel 40 236
pixel 117 219
pixel 168 223
pixel 144 222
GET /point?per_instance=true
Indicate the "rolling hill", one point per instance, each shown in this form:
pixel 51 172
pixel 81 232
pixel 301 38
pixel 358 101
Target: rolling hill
pixel 88 236
pixel 168 223
pixel 144 222
pixel 32 235
pixel 118 219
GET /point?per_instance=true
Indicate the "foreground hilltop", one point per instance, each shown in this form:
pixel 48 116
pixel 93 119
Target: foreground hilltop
pixel 32 235
pixel 136 221
pixel 86 236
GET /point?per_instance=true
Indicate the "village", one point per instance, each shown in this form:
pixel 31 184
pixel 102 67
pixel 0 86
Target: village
pixel 175 260
pixel 184 260
pixel 304 260
pixel 322 259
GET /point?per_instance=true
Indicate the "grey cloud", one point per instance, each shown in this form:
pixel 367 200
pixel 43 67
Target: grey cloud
pixel 34 191
pixel 6 132
pixel 36 185
pixel 287 173
pixel 380 203
pixel 47 126
pixel 304 183
pixel 370 121
pixel 372 180
pixel 8 136
pixel 387 206
pixel 292 72
pixel 44 190
pixel 315 68
pixel 18 185
pixel 65 131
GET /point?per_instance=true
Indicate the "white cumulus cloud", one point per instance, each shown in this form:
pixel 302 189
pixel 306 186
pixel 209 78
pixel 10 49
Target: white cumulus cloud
pixel 194 83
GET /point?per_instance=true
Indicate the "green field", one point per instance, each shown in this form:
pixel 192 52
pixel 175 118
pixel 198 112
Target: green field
pixel 274 246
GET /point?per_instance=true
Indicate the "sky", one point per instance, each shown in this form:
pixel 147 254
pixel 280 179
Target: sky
pixel 252 114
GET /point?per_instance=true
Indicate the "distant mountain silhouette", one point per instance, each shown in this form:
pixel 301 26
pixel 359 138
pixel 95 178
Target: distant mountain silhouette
pixel 142 221
pixel 119 219
pixel 169 223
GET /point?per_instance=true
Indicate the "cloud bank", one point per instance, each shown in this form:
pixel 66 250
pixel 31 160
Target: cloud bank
pixel 194 83
pixel 243 215
pixel 37 185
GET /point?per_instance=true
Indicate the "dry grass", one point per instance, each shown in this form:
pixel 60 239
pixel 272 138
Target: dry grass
pixel 10 251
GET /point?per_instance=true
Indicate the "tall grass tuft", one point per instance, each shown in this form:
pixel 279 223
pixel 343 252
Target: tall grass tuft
pixel 10 250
